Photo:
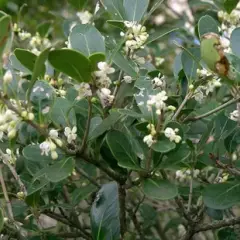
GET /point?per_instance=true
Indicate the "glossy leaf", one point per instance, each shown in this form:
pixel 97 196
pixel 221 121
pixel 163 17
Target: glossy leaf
pixel 229 5
pixel 77 4
pixel 122 150
pixel 163 145
pixel 105 213
pixel 26 58
pixel 135 9
pixel 62 113
pixel 159 189
pixel 83 38
pixel 71 63
pixel 115 8
pixel 222 195
pixel 234 41
pixel 207 24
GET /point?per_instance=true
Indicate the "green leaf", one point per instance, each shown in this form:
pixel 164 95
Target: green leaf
pixel 38 70
pixel 122 150
pixel 37 185
pixel 190 63
pixel 159 34
pixel 163 145
pixel 115 8
pixel 16 64
pixel 135 9
pixel 60 170
pixel 5 32
pixel 71 63
pixel 1 220
pixel 83 38
pixel 26 58
pixel 106 124
pixel 105 213
pixel 44 28
pixel 95 59
pixel 207 24
pixel 175 158
pixel 62 113
pixel 229 5
pixel 227 234
pixel 159 189
pixel 124 64
pixel 177 66
pixel 222 195
pixel 234 41
pixel 77 4
pixel 116 23
pixel 82 193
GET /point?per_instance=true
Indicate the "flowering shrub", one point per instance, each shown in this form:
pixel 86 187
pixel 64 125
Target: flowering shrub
pixel 120 120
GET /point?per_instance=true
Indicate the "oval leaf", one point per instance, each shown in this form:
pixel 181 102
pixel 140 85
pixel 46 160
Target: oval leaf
pixel 159 189
pixel 71 63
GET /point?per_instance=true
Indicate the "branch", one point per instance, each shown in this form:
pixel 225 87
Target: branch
pixel 122 204
pixel 14 173
pixel 212 111
pixel 85 137
pixel 4 189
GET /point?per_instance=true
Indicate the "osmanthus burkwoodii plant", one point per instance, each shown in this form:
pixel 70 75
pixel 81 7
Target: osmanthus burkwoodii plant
pixel 99 142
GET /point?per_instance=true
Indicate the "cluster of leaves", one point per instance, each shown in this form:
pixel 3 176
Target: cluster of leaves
pixel 109 178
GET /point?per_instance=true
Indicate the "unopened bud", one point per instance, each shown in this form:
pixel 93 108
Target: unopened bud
pixel 59 142
pixel 54 155
pixel 20 195
pixel 7 78
pixel 30 116
pixel 24 114
pixel 12 134
pixel 191 86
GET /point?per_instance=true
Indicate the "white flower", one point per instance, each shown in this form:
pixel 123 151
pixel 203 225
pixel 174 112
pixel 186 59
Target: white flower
pixel 127 79
pixel 158 101
pixel 53 133
pixel 103 81
pixel 171 135
pixel 45 148
pixel 159 61
pixel 199 95
pixel 97 8
pixel 84 90
pixel 235 115
pixel 24 35
pixel 70 134
pixel 85 17
pixel 211 85
pixel 105 97
pixel 46 110
pixel 159 81
pixel 149 140
pixel 54 155
pixel 7 78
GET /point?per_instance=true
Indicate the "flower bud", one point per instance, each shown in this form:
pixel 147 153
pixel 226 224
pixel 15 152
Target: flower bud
pixel 30 116
pixel 53 146
pixel 24 114
pixel 7 78
pixel 54 155
pixel 12 134
pixel 59 142
pixel 20 195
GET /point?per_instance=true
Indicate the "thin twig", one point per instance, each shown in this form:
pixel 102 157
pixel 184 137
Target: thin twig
pixel 14 173
pixel 90 179
pixel 85 137
pixel 4 189
pixel 212 111
pixel 187 97
pixel 190 192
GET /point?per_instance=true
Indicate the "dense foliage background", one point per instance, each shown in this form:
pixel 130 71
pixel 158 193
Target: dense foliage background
pixel 119 119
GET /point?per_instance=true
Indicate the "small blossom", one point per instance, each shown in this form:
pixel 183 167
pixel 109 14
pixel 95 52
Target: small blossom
pixel 24 35
pixel 171 135
pixel 149 140
pixel 84 90
pixel 85 17
pixel 54 155
pixel 235 115
pixel 105 97
pixel 46 110
pixel 53 133
pixel 7 78
pixel 127 79
pixel 158 101
pixel 45 148
pixel 70 134
pixel 159 61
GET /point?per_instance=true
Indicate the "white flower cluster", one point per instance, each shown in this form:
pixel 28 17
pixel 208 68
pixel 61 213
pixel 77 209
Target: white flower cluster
pixel 49 146
pixel 84 90
pixel 10 156
pixel 8 123
pixel 157 101
pixel 23 35
pixel 202 91
pixel 235 116
pixel 159 81
pixel 171 134
pixel 85 17
pixel 136 36
pixel 102 79
pixel 127 79
pixel 37 43
pixel 71 134
pixel 149 139
pixel 184 174
pixel 105 97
